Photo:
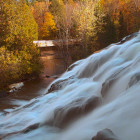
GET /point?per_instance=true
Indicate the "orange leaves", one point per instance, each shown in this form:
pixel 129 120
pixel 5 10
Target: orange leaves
pixel 44 19
pixel 38 11
pixel 102 2
pixel 48 28
pixel 128 8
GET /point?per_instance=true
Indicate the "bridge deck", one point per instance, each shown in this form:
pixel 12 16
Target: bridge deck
pixel 51 43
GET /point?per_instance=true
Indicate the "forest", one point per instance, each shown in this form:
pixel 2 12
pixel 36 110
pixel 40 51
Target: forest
pixel 96 23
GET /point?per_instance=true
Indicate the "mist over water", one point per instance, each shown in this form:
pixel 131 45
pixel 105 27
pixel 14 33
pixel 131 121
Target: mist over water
pixel 96 93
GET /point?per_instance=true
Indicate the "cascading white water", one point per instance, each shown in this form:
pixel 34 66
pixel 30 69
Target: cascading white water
pixel 96 93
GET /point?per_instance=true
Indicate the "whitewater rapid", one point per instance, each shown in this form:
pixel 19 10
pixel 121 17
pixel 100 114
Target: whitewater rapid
pixel 98 94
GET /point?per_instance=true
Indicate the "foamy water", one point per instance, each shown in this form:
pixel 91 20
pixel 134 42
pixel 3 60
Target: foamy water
pixel 99 92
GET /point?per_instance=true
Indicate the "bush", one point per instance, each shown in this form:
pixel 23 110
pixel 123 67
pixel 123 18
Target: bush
pixel 18 65
pixel 19 58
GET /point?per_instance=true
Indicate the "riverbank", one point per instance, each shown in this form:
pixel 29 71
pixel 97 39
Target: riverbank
pixel 36 86
pixel 53 65
pixel 18 65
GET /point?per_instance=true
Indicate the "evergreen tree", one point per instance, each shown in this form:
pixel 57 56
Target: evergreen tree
pixel 19 58
pixel 122 29
pixel 104 27
pixel 18 25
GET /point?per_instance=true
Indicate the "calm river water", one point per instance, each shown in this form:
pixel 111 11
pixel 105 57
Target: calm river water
pixel 53 65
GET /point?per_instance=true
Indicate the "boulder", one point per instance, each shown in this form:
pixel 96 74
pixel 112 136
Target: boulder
pixel 105 134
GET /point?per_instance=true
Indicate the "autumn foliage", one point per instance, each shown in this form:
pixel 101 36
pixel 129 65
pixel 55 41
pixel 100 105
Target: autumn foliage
pixel 48 28
pixel 95 23
pixel 19 58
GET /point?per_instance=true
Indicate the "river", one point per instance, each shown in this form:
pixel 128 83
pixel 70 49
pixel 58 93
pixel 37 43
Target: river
pixel 53 65
pixel 97 98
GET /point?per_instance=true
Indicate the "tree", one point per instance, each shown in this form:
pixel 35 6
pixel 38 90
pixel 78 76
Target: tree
pixel 85 19
pixel 19 58
pixel 39 10
pixel 48 28
pixel 57 8
pixel 104 28
pixel 18 25
pixel 122 28
pixel 125 14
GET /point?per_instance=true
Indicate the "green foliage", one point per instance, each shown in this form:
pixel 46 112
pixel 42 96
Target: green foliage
pixel 96 23
pixel 86 18
pixel 122 28
pixel 57 8
pixel 19 58
pixel 18 25
pixel 104 29
pixel 15 65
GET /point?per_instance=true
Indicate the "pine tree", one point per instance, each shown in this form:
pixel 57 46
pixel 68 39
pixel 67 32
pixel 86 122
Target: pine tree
pixel 104 27
pixel 18 56
pixel 18 25
pixel 122 29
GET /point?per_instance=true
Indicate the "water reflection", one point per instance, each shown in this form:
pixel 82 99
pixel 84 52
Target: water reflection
pixel 53 65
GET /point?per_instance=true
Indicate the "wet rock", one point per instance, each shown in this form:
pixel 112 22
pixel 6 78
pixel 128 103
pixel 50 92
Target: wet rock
pixel 56 86
pixel 111 79
pixel 47 76
pixel 64 115
pixel 31 128
pixel 105 134
pixel 71 67
pixel 59 84
pixel 53 76
pixel 129 37
pixel 134 80
pixel 16 86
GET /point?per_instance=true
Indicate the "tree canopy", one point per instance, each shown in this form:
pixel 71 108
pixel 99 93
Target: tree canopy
pixel 18 56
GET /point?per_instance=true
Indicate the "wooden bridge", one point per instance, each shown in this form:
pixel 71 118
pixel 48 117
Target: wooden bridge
pixel 51 43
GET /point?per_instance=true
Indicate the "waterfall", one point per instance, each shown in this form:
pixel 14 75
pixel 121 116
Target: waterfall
pixel 96 98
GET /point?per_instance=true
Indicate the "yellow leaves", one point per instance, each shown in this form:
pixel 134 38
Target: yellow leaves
pixel 71 2
pixel 49 21
pixel 102 2
pixel 26 56
pixel 29 70
pixel 129 9
pixel 38 10
pixel 9 66
pixel 84 14
pixel 18 24
pixel 48 28
pixel 16 64
pixel 18 56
